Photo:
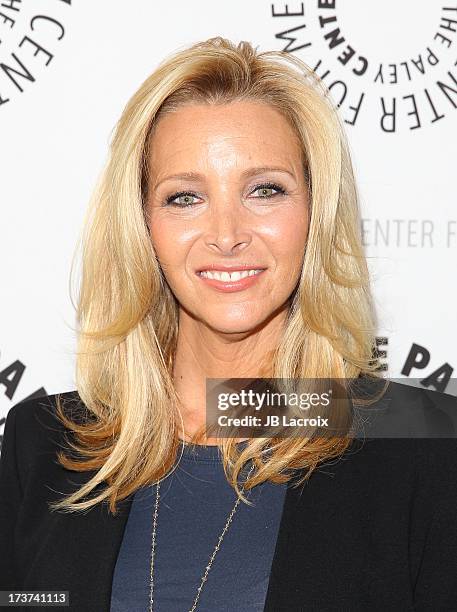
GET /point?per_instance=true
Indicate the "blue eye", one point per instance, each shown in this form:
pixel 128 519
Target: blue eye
pixel 169 201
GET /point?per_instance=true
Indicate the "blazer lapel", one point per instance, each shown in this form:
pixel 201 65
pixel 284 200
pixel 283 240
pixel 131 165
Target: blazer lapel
pixel 281 556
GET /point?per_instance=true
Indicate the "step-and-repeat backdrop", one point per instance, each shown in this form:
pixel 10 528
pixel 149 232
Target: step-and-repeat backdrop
pixel 67 68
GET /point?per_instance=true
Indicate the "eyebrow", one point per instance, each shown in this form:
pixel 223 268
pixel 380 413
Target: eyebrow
pixel 248 172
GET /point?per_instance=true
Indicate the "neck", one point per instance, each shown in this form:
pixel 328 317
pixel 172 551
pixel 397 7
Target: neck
pixel 203 353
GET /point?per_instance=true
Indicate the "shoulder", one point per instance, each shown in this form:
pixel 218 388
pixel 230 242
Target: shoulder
pixel 406 411
pixel 404 441
pixel 421 396
pixel 407 426
pixel 36 426
pixel 41 412
pixel 32 437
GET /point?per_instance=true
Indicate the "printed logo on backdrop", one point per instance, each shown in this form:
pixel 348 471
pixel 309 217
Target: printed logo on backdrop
pixel 388 62
pixel 440 378
pixel 31 32
pixel 405 233
pixel 436 375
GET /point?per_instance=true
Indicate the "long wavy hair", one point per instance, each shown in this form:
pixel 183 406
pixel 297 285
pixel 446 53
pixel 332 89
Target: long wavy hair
pixel 128 317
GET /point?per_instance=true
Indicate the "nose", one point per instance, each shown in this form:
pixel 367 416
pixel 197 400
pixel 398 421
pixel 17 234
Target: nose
pixel 228 230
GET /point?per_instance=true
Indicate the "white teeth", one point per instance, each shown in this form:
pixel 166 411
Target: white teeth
pixel 228 276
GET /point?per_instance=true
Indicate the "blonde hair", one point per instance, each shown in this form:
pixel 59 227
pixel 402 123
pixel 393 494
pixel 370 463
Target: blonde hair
pixel 128 316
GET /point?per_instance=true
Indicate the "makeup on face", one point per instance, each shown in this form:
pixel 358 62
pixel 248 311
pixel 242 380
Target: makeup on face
pixel 228 210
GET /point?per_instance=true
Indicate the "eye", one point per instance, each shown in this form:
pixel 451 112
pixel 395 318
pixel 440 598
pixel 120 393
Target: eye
pixel 187 203
pixel 265 187
pixel 180 194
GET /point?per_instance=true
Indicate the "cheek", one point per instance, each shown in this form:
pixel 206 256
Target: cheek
pixel 171 240
pixel 286 236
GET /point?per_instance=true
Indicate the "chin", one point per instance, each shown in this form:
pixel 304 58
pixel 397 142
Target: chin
pixel 234 324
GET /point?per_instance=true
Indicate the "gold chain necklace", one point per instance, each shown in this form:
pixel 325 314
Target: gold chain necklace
pixel 208 567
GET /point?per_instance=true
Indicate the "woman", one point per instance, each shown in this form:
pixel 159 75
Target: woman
pixel 225 161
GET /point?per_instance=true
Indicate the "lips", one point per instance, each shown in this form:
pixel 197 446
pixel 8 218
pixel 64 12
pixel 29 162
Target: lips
pixel 225 276
pixel 228 282
pixel 230 267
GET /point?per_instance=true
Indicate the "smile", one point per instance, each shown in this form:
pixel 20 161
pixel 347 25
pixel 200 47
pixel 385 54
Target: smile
pixel 227 282
pixel 228 276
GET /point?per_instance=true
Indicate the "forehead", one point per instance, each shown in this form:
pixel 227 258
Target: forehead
pixel 249 126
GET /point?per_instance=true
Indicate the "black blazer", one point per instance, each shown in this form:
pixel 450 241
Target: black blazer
pixel 373 531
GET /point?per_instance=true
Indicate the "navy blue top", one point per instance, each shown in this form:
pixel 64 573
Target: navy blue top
pixel 195 502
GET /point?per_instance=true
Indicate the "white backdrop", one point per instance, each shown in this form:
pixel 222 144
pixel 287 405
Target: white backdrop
pixel 393 67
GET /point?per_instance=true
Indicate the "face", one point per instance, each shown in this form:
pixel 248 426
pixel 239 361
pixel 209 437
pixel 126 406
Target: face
pixel 213 205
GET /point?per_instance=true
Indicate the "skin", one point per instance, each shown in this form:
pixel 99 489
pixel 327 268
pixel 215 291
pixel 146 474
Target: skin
pixel 224 335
